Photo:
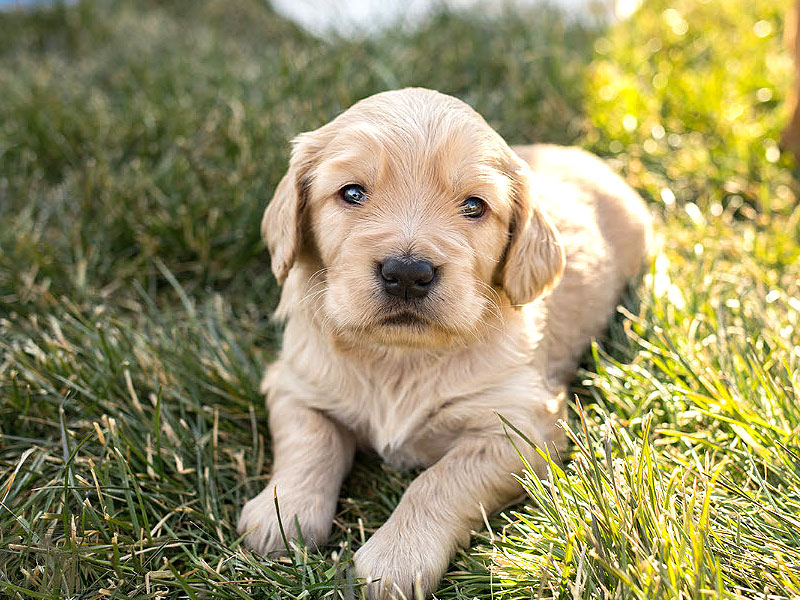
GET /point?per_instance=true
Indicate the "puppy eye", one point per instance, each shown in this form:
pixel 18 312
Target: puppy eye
pixel 473 208
pixel 353 194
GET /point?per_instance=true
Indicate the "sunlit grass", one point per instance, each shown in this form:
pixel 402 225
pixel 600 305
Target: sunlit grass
pixel 685 480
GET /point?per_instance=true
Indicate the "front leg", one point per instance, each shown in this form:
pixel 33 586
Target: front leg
pixel 312 455
pixel 436 514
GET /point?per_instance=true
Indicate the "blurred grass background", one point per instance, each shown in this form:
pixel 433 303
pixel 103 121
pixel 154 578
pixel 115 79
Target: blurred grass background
pixel 139 144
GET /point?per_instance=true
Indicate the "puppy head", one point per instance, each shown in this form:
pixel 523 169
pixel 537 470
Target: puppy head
pixel 417 218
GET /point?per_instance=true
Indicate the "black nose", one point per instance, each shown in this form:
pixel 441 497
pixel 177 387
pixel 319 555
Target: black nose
pixel 407 277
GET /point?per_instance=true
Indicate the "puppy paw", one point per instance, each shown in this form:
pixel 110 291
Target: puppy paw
pixel 259 519
pixel 400 565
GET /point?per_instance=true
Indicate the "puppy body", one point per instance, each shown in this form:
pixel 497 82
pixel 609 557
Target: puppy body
pixel 426 389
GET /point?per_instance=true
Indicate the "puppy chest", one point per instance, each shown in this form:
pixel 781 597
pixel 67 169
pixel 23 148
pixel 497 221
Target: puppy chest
pixel 393 427
pixel 419 435
pixel 387 418
pixel 409 411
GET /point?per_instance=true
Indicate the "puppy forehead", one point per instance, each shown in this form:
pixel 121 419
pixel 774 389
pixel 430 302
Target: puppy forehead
pixel 418 149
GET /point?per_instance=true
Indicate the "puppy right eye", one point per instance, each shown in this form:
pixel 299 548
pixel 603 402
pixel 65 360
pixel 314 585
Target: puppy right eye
pixel 353 194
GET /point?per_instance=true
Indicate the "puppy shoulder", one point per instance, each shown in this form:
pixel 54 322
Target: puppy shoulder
pixel 557 159
pixel 583 193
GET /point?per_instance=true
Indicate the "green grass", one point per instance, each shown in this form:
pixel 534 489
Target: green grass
pixel 139 143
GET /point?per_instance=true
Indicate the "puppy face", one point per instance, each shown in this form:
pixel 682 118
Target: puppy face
pixel 421 221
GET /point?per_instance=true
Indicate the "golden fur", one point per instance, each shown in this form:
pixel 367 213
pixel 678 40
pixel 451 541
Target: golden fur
pixel 517 297
pixel 790 137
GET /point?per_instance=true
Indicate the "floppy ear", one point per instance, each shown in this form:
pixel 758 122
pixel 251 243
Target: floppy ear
pixel 282 221
pixel 534 260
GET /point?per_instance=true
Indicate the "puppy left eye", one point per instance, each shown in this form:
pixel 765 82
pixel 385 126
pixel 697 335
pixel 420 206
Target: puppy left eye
pixel 473 208
pixel 353 194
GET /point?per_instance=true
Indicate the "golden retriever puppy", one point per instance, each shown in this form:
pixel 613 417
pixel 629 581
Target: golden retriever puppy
pixel 433 278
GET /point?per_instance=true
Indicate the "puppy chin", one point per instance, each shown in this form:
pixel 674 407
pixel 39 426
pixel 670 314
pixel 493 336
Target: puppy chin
pixel 401 331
